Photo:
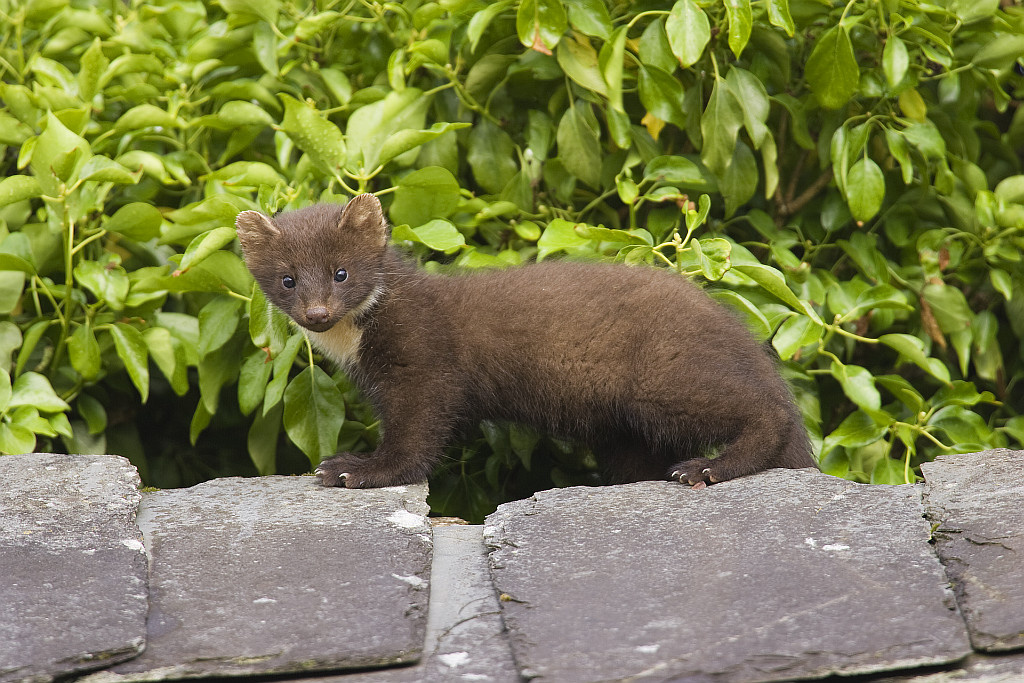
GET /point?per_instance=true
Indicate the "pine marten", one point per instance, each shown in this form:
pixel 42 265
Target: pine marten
pixel 636 362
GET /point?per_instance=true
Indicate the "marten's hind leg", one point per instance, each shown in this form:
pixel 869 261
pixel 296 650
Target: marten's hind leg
pixel 770 440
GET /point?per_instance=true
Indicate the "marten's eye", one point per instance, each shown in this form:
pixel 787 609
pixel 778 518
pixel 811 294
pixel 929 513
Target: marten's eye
pixel 288 281
pixel 340 275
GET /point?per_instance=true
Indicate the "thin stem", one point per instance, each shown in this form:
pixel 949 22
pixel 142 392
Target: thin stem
pixel 92 238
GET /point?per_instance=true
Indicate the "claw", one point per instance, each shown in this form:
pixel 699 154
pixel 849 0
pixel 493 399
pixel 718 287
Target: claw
pixel 705 471
pixel 319 472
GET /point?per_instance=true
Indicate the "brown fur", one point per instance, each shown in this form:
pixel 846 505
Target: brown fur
pixel 636 362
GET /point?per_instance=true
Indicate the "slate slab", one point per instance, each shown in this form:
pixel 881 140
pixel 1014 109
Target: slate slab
pixel 977 668
pixel 976 498
pixel 783 575
pixel 281 575
pixel 72 565
pixel 465 639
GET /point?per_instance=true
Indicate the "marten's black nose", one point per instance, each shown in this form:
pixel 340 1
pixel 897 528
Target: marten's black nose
pixel 317 314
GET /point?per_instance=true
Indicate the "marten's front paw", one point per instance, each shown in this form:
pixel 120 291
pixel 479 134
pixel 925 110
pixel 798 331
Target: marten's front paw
pixel 362 471
pixel 346 469
pixel 698 473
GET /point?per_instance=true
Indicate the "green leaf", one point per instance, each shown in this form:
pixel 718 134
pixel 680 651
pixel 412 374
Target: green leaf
pixel 108 282
pixel 912 349
pixel 655 49
pixel 139 221
pixel 889 471
pixel 751 314
pixel 1009 189
pixel 965 428
pixel 949 306
pixel 92 64
pixel 146 116
pixel 18 188
pixel 1000 281
pixel 832 71
pixel 857 430
pixel 491 156
pixel 12 285
pixel 10 339
pixel 12 131
pixel 738 181
pixel 102 169
pixel 740 24
pixel 131 349
pixel 662 95
pixel 56 155
pixel 371 125
pixel 579 61
pixel 540 24
pixel 795 333
pixel 611 56
pixel 590 17
pixel 405 140
pixel 482 19
pixel 858 385
pixel 16 439
pixel 169 355
pixel 778 15
pixel 772 281
pixel 865 189
pixel 438 234
pixel 282 366
pixel 901 153
pixel 314 411
pixel 240 113
pixel 320 139
pixel 33 389
pixel 602 234
pixel 218 321
pixel 559 235
pixel 431 192
pixel 675 170
pixel 927 139
pixel 5 390
pixel 720 125
pixel 252 381
pixel 203 245
pixel 753 98
pixel 712 256
pixel 1000 52
pixel 267 10
pixel 895 60
pixel 688 31
pixel 578 146
pixel 84 352
pixel 313 24
pixel 903 390
pixel 262 441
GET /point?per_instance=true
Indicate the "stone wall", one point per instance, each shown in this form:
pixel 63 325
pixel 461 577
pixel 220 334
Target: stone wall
pixel 780 576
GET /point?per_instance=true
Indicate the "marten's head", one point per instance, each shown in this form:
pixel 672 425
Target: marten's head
pixel 318 263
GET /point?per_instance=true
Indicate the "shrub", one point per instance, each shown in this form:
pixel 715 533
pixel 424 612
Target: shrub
pixel 846 176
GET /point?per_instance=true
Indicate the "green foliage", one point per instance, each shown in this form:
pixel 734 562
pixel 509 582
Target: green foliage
pixel 846 176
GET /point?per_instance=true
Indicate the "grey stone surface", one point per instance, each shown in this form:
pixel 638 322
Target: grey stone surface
pixel 977 668
pixel 281 575
pixel 976 499
pixel 464 639
pixel 73 568
pixel 782 575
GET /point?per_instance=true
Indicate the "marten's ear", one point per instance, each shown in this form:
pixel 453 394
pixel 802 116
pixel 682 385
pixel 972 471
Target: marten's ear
pixel 364 213
pixel 253 226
